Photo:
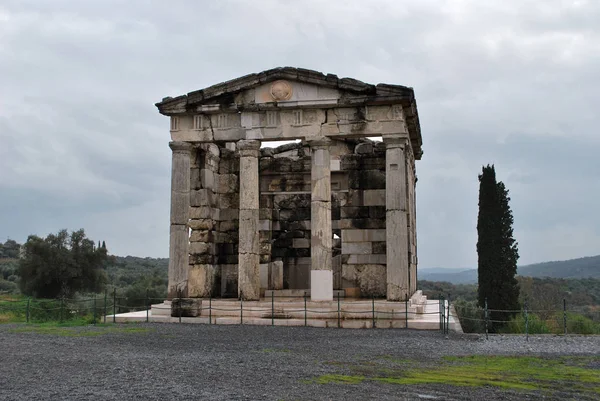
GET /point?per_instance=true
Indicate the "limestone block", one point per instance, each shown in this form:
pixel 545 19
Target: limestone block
pixel 229 201
pixel 228 166
pixel 227 183
pixel 356 248
pixel 201 224
pixel 207 178
pixel 263 269
pixel 229 135
pixel 265 248
pixel 276 275
pixel 321 236
pixel 204 212
pixel 249 276
pixel 180 203
pixel 298 214
pixel 201 279
pixel 227 226
pixel 186 307
pixel 229 214
pixel 366 179
pixel 363 235
pixel 377 212
pixel 300 243
pixel 354 212
pixel 178 260
pixel 265 214
pixel 265 201
pixel 379 247
pixel 378 259
pixel 202 236
pixel 202 259
pixel 396 179
pixel 291 201
pixel 249 237
pixel 370 278
pixel 203 197
pixel 321 285
pixel 195 182
pixel 397 255
pixel 201 248
pixel 264 225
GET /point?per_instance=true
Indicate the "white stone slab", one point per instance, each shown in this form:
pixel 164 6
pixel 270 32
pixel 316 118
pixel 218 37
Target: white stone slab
pixel 321 285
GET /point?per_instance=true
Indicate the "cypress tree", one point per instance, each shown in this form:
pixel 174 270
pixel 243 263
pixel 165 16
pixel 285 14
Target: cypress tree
pixel 496 248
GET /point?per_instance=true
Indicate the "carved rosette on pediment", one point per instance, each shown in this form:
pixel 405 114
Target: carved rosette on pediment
pixel 281 90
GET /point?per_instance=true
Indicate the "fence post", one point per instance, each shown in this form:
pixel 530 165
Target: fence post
pixel 94 308
pixel 338 297
pixel 210 309
pixel 440 311
pixel 114 305
pixel 241 309
pixel 406 312
pixel 27 312
pixel 147 307
pixel 62 302
pixel 448 316
pixel 565 315
pixel 273 308
pixel 486 319
pixel 180 293
pixel 526 323
pixel 304 308
pixel 105 301
pixel 373 309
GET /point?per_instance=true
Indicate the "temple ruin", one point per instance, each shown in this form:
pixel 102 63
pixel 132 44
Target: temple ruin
pixel 331 213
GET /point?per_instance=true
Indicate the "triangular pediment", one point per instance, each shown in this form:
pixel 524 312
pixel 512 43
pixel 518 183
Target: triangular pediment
pixel 284 84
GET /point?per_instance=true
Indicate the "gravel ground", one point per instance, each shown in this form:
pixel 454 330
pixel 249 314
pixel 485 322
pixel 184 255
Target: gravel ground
pixel 197 362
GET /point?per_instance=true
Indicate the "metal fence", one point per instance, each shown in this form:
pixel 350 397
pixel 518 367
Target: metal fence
pixel 553 319
pixel 105 309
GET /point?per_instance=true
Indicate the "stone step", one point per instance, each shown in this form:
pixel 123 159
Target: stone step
pixel 299 293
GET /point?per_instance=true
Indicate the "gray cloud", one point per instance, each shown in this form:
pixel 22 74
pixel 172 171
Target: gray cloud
pixel 515 83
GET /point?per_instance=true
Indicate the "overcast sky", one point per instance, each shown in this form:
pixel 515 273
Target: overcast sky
pixel 515 83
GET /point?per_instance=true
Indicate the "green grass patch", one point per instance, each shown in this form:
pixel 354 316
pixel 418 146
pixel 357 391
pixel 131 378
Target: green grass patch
pixel 72 329
pixel 566 374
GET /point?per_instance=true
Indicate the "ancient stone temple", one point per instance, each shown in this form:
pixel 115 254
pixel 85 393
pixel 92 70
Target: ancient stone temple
pixel 333 211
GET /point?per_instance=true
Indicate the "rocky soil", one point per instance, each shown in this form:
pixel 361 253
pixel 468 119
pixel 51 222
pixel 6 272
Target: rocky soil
pixel 188 362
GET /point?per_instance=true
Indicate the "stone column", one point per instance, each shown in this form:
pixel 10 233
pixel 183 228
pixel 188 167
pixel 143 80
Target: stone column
pixel 249 245
pixel 180 205
pixel 396 218
pixel 321 274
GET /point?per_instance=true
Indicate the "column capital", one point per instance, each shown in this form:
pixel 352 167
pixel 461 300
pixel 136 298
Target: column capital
pixel 395 141
pixel 249 147
pixel 319 143
pixel 180 147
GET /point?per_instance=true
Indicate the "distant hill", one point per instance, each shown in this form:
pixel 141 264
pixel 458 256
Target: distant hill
pixel 588 267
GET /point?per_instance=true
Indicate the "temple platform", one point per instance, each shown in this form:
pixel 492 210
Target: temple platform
pixel 418 313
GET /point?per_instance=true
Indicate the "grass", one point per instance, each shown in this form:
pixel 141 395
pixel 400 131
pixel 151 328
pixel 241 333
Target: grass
pixel 77 329
pixel 566 374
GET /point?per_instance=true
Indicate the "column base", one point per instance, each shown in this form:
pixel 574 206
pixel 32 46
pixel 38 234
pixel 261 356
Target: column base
pixel 321 285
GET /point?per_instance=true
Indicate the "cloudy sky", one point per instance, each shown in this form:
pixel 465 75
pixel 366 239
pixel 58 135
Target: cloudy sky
pixel 515 83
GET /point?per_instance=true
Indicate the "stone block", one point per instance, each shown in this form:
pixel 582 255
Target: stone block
pixel 207 178
pixel 229 214
pixel 379 247
pixel 204 212
pixel 227 183
pixel 366 179
pixel 363 235
pixel 202 236
pixel 321 285
pixel 378 259
pixel 358 223
pixel 249 276
pixel 276 275
pixel 356 248
pixel 365 147
pixel 228 226
pixel 265 248
pixel 201 248
pixel 202 259
pixel 295 214
pixel 264 225
pixel 292 201
pixel 354 212
pixel 371 279
pixel 195 182
pixel 265 201
pixel 264 275
pixel 265 214
pixel 186 307
pixel 201 279
pixel 201 224
pixel 229 279
pixel 300 243
pixel 229 201
pixel 203 197
pixel 180 203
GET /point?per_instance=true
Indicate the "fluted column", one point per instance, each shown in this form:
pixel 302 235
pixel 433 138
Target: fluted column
pixel 396 218
pixel 321 275
pixel 249 251
pixel 180 206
